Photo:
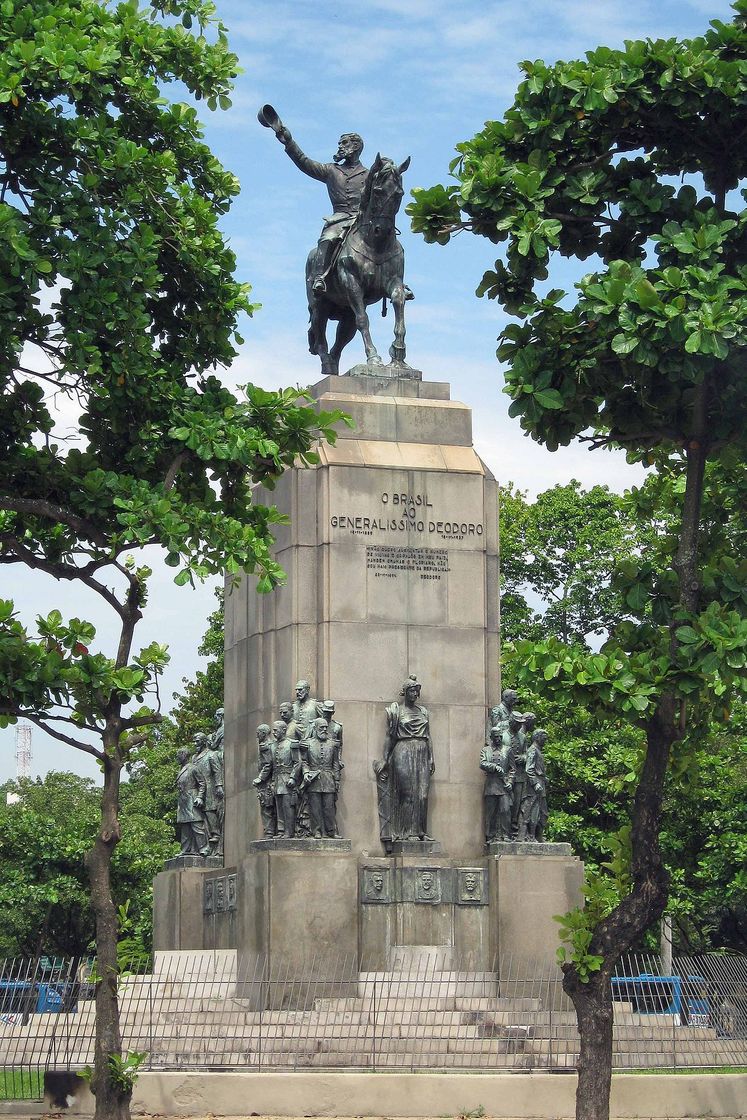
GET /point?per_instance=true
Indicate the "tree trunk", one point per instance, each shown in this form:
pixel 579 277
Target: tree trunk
pixel 621 930
pixel 112 1100
pixel 593 1004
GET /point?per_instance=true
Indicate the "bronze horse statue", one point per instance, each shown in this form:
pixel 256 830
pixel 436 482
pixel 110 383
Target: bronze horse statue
pixel 369 268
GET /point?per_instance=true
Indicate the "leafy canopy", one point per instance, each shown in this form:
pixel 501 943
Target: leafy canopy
pixel 118 303
pixel 633 158
pixel 561 549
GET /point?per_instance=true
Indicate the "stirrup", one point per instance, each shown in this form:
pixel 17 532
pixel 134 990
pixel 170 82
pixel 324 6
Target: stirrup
pixel 319 285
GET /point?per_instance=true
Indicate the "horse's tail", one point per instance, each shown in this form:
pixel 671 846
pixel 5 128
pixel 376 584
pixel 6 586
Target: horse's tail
pixel 383 307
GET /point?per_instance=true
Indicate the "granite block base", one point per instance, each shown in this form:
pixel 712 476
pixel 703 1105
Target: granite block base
pixel 527 888
pixel 527 848
pixel 300 844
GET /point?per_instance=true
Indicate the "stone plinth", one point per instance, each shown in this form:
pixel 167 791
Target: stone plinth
pixel 194 907
pixel 414 848
pixel 526 890
pixel 413 902
pixel 178 863
pixel 392 562
pixel 298 915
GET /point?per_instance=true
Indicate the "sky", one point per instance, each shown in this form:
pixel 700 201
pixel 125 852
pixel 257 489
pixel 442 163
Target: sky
pixel 413 77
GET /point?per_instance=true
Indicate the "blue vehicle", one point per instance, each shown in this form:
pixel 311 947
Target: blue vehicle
pixel 28 997
pixel 649 994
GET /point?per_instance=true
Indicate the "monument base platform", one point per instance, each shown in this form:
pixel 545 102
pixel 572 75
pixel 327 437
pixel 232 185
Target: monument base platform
pixel 392 371
pixel 300 901
pixel 178 863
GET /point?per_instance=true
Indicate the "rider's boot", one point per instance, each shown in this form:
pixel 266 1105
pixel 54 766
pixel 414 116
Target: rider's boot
pixel 324 256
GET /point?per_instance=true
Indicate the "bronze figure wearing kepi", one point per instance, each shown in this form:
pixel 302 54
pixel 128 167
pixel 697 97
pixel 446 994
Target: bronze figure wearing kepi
pixel 210 764
pixel 190 818
pixel 496 761
pixel 283 768
pixel 265 792
pixel 321 780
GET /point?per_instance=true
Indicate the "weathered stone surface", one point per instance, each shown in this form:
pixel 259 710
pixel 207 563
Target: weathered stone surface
pixel 416 848
pixel 526 890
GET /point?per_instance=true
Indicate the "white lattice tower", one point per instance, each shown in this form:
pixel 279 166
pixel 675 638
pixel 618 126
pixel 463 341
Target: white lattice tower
pixel 23 751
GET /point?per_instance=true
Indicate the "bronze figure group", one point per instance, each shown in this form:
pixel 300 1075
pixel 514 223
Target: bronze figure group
pixel 300 769
pixel 513 759
pixel 200 789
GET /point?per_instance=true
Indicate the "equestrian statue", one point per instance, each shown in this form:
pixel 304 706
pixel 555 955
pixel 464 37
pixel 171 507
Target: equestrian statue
pixel 358 259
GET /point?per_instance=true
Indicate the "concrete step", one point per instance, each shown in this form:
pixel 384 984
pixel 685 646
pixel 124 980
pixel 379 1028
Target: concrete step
pixel 422 1003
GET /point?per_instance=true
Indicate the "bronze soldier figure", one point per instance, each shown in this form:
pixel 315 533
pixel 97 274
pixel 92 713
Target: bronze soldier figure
pixel 497 762
pixel 321 779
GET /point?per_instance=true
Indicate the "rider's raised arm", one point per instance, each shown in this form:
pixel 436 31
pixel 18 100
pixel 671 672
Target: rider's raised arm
pixel 310 167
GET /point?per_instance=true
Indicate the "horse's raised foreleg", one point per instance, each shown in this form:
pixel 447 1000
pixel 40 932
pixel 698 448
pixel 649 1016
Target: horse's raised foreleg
pixel 345 331
pixel 397 296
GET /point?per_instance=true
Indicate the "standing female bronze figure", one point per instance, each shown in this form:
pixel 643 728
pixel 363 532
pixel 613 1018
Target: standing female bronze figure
pixel 406 768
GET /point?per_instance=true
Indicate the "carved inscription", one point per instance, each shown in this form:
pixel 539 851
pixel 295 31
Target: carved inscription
pixel 406 513
pixel 387 561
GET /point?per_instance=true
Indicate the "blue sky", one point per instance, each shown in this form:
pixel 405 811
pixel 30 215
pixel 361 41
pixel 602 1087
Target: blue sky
pixel 414 77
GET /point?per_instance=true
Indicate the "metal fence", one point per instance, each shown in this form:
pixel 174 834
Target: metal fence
pixel 211 1010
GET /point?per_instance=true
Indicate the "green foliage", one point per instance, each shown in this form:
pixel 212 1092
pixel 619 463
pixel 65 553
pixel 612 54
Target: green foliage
pixel 118 291
pixel 43 890
pixel 562 549
pixel 634 158
pixel 602 891
pixel 582 166
pixel 122 1068
pixel 152 767
pixel 44 836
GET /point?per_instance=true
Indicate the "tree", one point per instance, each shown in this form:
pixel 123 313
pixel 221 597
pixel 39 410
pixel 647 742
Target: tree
pixel 117 293
pixel 45 905
pixel 152 766
pixel 648 357
pixel 562 548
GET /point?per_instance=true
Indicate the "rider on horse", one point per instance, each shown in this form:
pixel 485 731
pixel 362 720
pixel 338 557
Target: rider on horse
pixel 345 179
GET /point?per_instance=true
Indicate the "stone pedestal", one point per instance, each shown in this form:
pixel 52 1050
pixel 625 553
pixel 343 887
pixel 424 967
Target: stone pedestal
pixel 194 907
pixel 415 901
pixel 526 891
pixel 298 915
pixel 392 562
pixel 391 553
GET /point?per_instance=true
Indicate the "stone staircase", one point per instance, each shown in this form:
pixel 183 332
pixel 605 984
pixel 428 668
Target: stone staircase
pixel 446 1020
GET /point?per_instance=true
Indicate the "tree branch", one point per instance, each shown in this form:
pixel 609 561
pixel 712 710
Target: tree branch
pixel 39 507
pixel 61 570
pixel 79 745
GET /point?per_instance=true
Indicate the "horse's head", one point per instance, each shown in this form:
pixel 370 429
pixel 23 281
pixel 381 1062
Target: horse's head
pixel 383 193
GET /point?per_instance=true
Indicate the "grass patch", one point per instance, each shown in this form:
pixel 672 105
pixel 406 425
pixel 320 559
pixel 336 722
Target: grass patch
pixel 21 1084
